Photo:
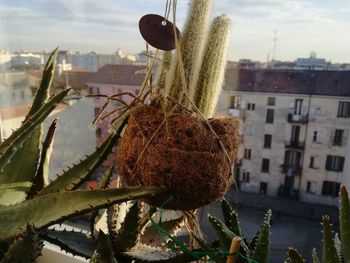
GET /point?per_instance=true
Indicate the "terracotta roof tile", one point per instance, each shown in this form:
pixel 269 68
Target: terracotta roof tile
pixel 119 74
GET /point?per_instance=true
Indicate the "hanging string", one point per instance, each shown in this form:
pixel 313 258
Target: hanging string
pixel 179 246
pixel 167 11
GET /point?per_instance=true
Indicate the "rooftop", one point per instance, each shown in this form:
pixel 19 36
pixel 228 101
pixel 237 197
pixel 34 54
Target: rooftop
pixel 120 75
pixel 310 82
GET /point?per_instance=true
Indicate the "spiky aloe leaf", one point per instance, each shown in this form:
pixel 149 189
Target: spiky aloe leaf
pixel 129 232
pixel 81 172
pixel 98 215
pixel 344 219
pixel 294 256
pixel 225 235
pixel 76 243
pixel 261 250
pixel 338 247
pixel 315 258
pixel 25 249
pixel 329 250
pixel 152 237
pixel 42 93
pixel 15 183
pixel 42 175
pixel 231 218
pixel 59 206
pixel 104 251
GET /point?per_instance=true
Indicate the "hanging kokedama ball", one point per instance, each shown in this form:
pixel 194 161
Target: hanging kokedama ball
pixel 180 153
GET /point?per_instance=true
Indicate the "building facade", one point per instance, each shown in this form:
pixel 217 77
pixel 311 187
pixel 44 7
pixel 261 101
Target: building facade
pixel 295 131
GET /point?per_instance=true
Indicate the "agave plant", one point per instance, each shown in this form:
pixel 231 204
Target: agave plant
pixel 28 203
pixel 335 247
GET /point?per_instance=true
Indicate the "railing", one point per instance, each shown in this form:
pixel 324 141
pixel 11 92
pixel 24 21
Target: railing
pixel 294 144
pixel 236 112
pixel 297 118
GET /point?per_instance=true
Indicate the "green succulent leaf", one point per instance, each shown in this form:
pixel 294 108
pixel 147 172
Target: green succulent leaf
pixel 59 206
pixel 25 249
pixel 74 242
pixel 338 247
pixel 261 250
pixel 224 234
pixel 315 258
pixel 344 219
pixel 106 178
pixel 81 172
pixel 294 256
pixel 102 184
pixel 104 252
pixel 329 250
pixel 42 175
pixel 129 232
pixel 231 218
pixel 42 93
pixel 24 141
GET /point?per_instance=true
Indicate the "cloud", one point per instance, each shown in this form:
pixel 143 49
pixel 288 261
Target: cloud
pixel 104 25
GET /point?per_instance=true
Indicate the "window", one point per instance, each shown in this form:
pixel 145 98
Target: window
pixel 235 101
pixel 312 162
pixel 270 115
pixel 246 177
pixel 338 137
pixel 330 188
pixel 334 163
pixel 308 187
pixel 137 91
pixel 314 137
pixel 251 106
pixel 263 188
pixel 295 134
pixel 265 165
pixel 267 140
pixel 247 154
pixel 297 106
pixel 344 109
pixel 271 101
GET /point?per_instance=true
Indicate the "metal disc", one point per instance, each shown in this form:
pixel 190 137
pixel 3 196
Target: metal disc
pixel 158 32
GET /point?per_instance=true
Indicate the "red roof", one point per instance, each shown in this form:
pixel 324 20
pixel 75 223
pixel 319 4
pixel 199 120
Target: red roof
pixel 76 79
pixel 311 82
pixel 120 74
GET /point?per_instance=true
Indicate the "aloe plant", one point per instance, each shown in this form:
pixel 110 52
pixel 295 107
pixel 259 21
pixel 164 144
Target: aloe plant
pixel 24 187
pixel 334 247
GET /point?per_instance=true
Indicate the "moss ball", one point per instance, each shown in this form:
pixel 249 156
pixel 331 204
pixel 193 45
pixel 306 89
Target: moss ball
pixel 180 153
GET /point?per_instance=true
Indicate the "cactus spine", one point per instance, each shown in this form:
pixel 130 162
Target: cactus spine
pixel 190 48
pixel 212 71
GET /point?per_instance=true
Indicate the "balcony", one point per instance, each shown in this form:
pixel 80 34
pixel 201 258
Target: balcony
pixel 295 144
pixel 297 118
pixel 291 169
pixel 236 112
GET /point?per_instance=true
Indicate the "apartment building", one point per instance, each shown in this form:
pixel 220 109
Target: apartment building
pixel 295 131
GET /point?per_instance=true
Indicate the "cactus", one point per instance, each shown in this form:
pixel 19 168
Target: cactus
pixel 294 256
pixel 211 74
pixel 189 51
pixel 344 219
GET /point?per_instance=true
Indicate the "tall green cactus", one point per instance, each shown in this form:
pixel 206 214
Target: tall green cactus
pixel 191 48
pixel 211 74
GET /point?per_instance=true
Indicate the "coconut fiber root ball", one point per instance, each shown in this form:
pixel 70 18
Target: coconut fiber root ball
pixel 180 153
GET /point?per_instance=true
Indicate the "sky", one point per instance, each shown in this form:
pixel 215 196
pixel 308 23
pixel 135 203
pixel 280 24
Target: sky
pixel 301 26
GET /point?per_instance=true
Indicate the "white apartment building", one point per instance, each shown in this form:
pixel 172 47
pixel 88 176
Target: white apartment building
pixel 295 131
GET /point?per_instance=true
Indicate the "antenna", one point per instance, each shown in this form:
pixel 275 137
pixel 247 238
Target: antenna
pixel 274 46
